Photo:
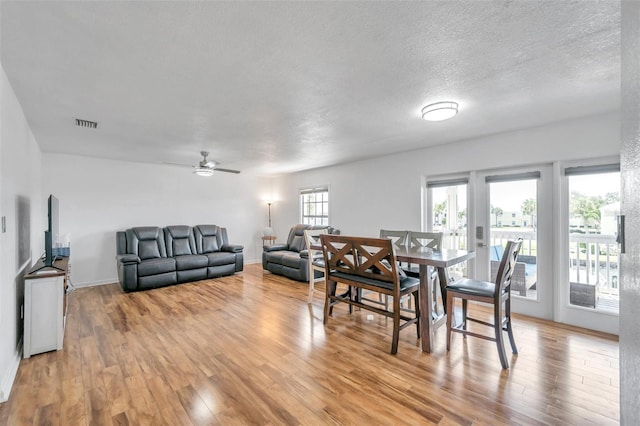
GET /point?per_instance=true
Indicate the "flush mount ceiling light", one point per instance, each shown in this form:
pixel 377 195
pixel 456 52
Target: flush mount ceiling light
pixel 440 111
pixel 203 171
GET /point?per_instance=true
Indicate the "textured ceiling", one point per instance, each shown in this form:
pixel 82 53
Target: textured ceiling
pixel 273 87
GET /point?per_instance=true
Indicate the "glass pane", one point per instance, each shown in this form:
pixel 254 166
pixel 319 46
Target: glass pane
pixel 594 203
pixel 450 202
pixel 513 215
pixel 449 210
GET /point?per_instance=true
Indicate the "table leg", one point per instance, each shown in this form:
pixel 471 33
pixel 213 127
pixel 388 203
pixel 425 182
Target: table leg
pixel 426 306
pixel 443 277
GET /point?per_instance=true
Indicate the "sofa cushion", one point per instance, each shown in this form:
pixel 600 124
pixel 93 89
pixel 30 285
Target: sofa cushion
pixel 156 266
pixel 179 240
pixel 208 239
pixel 221 258
pixel 181 247
pixel 297 244
pixel 148 249
pixel 210 244
pixel 292 260
pixel 274 256
pixel 191 261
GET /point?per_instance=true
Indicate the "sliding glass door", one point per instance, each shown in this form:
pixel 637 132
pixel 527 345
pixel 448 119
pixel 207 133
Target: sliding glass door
pixel 514 204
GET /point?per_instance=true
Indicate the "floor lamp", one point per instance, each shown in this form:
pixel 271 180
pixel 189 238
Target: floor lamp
pixel 268 231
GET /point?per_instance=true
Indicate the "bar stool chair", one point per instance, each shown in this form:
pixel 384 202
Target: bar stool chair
pixel 497 294
pixel 316 262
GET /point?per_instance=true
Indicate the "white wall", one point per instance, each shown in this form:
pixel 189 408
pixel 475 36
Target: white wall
pixel 386 192
pixel 99 197
pixel 21 202
pixel 630 207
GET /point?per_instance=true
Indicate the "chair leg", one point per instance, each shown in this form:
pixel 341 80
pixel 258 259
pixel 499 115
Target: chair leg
pixel 497 318
pixel 449 317
pixel 443 281
pixel 311 286
pixel 396 325
pixel 464 315
pixel 417 310
pixel 507 312
pixel 330 291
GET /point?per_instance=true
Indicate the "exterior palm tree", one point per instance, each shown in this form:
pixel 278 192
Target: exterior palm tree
pixel 498 212
pixel 529 208
pixel 587 208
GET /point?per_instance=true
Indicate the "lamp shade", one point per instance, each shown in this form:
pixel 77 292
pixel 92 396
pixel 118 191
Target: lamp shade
pixel 267 231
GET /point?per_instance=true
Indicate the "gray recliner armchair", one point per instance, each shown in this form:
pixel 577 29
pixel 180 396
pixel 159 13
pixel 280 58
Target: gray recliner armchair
pixel 291 259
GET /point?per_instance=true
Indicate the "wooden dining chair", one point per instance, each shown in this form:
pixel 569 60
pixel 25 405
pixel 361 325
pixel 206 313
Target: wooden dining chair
pixel 316 262
pixel 497 294
pixel 398 239
pixel 432 240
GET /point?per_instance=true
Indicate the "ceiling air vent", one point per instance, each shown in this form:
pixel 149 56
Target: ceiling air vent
pixel 86 123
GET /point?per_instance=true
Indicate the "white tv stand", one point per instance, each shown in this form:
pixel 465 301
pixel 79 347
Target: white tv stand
pixel 45 307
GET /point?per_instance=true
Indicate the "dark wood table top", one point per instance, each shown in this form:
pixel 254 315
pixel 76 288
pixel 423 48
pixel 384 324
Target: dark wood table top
pixel 427 256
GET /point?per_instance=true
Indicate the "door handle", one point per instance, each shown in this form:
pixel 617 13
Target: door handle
pixel 620 236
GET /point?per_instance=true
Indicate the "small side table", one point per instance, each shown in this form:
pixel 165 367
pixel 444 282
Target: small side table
pixel 268 239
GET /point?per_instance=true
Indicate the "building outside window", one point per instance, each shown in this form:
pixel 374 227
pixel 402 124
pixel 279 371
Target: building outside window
pixel 314 206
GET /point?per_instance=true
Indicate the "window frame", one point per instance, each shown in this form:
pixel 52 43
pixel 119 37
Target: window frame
pixel 315 219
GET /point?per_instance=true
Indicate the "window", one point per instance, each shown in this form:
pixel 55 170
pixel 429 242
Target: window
pixel 314 204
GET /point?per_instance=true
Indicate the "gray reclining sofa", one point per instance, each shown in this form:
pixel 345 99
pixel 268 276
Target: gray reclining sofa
pixel 291 259
pixel 150 256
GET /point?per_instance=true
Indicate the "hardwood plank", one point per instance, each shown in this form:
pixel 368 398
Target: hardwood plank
pixel 247 349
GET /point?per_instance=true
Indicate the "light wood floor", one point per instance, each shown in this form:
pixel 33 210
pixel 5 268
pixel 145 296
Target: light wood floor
pixel 246 349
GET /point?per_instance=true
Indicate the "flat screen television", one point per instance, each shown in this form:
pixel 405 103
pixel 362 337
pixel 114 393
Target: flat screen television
pixel 51 234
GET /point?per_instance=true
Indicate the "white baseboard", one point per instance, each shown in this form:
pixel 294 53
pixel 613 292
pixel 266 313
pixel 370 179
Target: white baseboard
pixel 10 374
pixel 93 283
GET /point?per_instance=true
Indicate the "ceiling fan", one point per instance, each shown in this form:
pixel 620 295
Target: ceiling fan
pixel 206 167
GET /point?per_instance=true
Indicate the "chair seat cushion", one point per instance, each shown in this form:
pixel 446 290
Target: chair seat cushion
pixel 473 287
pixel 191 261
pixel 156 266
pixel 405 282
pixel 286 258
pixel 221 258
pixel 319 263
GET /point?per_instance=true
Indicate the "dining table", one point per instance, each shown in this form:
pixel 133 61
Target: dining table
pixel 430 318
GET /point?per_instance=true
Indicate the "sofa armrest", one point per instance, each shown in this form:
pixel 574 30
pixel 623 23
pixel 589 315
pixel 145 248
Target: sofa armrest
pixel 232 248
pixel 127 258
pixel 304 254
pixel 276 247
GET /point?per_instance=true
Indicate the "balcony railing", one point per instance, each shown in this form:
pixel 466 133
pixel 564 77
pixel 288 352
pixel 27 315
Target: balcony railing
pixel 593 259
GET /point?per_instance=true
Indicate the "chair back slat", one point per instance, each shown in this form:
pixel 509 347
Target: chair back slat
pixel 431 240
pixel 366 257
pixel 312 236
pixel 507 266
pixel 398 238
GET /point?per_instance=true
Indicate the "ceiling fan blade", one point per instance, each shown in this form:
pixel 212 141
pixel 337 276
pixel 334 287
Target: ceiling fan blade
pixel 217 169
pixel 177 165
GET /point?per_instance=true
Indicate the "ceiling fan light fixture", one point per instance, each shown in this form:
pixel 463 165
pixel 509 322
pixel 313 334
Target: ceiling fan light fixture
pixel 440 111
pixel 203 171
